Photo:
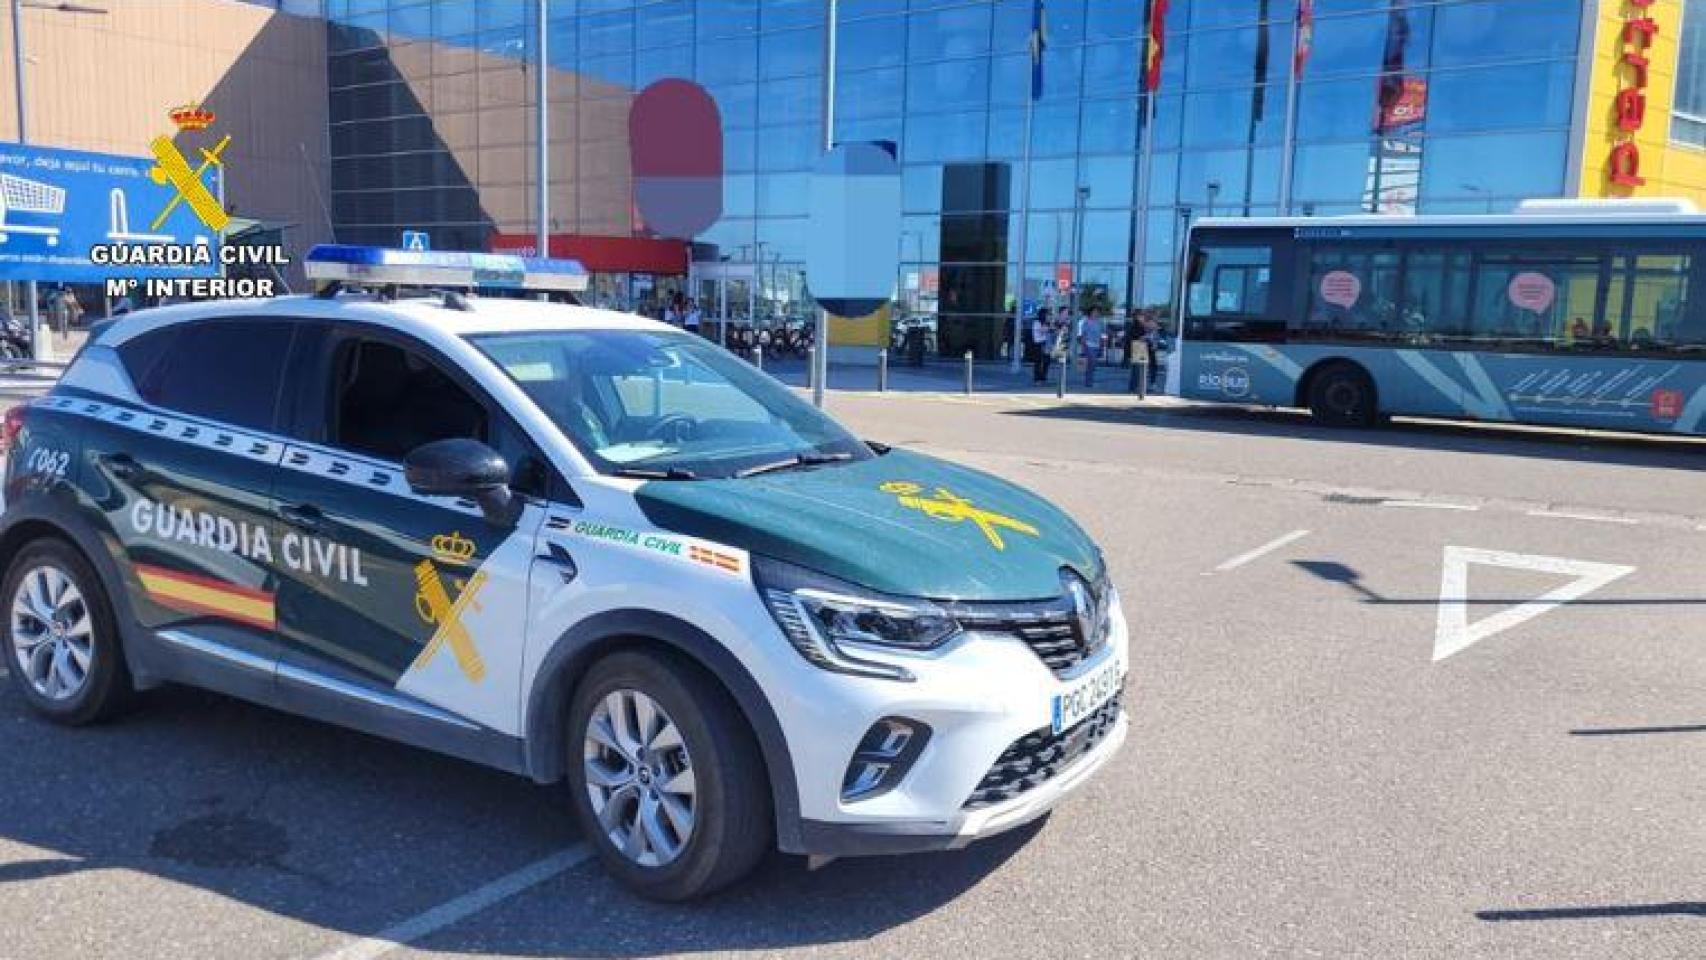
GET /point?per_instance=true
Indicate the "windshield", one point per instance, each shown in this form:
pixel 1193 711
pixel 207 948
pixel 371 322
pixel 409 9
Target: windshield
pixel 669 405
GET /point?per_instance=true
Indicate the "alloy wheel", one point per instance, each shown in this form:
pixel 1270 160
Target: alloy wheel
pixel 53 640
pixel 640 778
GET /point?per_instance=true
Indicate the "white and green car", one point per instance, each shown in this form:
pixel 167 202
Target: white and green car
pixel 573 544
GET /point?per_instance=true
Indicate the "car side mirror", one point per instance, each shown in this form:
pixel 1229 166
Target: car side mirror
pixel 464 468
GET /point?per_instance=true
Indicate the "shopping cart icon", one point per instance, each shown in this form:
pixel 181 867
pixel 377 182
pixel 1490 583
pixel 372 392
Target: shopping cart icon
pixel 18 195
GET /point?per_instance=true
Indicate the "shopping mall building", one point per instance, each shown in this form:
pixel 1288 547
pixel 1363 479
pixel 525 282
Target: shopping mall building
pixel 1256 107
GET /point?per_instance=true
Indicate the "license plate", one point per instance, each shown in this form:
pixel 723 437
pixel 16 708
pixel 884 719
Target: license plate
pixel 1091 692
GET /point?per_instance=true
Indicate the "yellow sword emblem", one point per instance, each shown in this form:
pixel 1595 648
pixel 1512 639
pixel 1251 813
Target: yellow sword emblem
pixel 433 603
pixel 949 508
pixel 173 169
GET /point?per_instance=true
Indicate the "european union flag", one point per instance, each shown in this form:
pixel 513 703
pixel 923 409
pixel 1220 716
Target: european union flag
pixel 1039 40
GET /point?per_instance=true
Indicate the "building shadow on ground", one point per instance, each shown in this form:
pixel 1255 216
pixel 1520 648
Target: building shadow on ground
pixel 1578 446
pixel 353 834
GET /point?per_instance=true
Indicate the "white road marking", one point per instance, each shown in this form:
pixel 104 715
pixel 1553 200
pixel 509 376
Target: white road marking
pixel 1590 517
pixel 1261 551
pixel 1430 505
pixel 1454 633
pixel 455 911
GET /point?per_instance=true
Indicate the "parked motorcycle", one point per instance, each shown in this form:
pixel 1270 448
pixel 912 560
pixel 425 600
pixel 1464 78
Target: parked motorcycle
pixel 14 338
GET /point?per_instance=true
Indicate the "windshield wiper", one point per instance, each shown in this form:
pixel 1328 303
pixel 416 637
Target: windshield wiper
pixel 644 473
pixel 794 463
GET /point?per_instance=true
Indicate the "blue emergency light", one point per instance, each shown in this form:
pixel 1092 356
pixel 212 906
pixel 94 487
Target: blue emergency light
pixel 347 263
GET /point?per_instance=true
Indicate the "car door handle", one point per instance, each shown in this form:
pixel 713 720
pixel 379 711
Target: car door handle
pixel 559 557
pixel 121 465
pixel 303 515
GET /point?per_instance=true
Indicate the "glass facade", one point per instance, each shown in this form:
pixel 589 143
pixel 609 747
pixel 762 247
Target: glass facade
pixel 1688 110
pixel 1431 106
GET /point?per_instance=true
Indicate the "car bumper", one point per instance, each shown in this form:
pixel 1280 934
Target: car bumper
pixel 991 763
pixel 838 839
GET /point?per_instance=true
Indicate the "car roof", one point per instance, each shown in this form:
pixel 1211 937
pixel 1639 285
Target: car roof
pixel 417 314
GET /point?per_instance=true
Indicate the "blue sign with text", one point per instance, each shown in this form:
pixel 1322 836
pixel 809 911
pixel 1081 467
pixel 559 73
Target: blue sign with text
pixel 58 206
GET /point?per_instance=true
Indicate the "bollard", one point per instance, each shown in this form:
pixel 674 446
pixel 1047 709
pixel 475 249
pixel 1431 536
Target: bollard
pixel 758 356
pixel 968 373
pixel 883 370
pixel 811 367
pixel 1139 378
pixel 1065 364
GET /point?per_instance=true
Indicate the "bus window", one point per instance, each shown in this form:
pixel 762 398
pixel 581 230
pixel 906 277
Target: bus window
pixel 1228 294
pixel 1535 301
pixel 1648 303
pixel 1353 295
pixel 1436 296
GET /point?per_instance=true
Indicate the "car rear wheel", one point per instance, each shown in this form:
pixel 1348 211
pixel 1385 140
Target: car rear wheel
pixel 1343 396
pixel 66 659
pixel 665 778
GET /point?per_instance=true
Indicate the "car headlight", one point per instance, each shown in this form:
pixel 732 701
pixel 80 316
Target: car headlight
pixel 828 620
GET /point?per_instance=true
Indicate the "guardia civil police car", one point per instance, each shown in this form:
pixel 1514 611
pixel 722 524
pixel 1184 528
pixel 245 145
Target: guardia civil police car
pixel 569 543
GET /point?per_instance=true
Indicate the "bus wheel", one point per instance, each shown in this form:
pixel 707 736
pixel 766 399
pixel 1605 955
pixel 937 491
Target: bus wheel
pixel 1343 396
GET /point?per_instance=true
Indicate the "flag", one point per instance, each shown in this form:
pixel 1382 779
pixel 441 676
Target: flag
pixel 1305 37
pixel 1157 45
pixel 1392 59
pixel 1039 41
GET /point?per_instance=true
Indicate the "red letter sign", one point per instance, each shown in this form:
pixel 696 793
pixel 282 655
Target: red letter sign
pixel 1631 101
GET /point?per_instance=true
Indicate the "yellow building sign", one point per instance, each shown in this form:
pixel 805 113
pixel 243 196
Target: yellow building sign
pixel 1628 151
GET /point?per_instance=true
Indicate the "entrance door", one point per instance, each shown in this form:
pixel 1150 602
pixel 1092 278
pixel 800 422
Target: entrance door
pixel 724 292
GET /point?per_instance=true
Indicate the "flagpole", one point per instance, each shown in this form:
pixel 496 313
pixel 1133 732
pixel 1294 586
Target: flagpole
pixel 1038 43
pixel 1145 169
pixel 1146 155
pixel 1288 147
pixel 1018 347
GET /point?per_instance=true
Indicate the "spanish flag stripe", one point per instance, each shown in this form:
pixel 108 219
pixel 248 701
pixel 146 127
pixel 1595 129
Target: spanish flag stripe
pixel 721 561
pixel 147 570
pixel 194 594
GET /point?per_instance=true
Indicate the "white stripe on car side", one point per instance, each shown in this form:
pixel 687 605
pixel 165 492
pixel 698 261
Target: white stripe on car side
pixel 293 455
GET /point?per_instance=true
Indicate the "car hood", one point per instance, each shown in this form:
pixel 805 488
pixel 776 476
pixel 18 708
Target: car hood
pixel 902 523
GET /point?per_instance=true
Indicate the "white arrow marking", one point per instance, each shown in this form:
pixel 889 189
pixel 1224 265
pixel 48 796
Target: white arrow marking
pixel 1455 633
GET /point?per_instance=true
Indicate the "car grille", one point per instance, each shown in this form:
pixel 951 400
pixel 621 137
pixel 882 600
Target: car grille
pixel 1039 757
pixel 1050 628
pixel 1055 641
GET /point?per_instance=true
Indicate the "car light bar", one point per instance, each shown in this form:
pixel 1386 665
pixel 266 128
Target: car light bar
pixel 416 268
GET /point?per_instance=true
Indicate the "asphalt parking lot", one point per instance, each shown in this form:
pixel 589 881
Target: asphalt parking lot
pixel 1429 691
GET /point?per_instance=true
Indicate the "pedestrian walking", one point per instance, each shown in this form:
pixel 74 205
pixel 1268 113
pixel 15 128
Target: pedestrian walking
pixel 691 318
pixel 1042 345
pixel 65 310
pixel 1151 343
pixel 1090 332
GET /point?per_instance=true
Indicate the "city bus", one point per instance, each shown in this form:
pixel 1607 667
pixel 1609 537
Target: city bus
pixel 1574 313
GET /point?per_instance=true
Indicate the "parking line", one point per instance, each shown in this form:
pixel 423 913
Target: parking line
pixel 1430 505
pixel 1590 517
pixel 455 911
pixel 1261 551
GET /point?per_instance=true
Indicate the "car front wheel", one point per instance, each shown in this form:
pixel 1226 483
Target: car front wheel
pixel 666 779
